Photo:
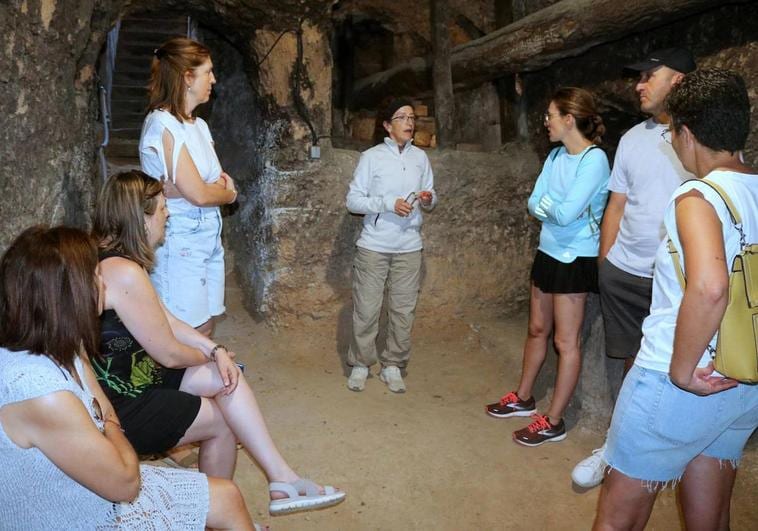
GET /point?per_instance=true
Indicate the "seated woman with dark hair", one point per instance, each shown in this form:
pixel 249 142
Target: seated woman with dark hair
pixel 60 439
pixel 170 384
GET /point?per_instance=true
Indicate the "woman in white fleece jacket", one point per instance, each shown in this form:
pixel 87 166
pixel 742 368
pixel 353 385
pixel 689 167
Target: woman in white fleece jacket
pixel 391 184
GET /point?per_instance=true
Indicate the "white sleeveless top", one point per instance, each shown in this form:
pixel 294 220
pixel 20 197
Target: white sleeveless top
pixel 659 327
pixel 195 136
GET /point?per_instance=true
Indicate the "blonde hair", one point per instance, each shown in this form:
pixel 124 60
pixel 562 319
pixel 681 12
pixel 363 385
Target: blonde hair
pixel 119 224
pixel 171 62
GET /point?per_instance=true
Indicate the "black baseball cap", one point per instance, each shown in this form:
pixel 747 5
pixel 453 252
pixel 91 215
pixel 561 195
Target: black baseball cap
pixel 679 59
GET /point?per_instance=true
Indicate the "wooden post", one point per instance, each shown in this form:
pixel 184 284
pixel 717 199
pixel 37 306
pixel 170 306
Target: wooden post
pixel 565 29
pixel 505 85
pixel 347 61
pixel 442 78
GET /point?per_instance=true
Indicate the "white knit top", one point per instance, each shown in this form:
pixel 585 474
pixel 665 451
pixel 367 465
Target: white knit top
pixel 36 495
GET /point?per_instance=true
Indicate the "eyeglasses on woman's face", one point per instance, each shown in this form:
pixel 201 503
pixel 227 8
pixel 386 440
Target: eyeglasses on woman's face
pixel 547 116
pixel 404 118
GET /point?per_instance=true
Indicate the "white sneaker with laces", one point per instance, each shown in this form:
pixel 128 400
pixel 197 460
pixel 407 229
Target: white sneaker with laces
pixel 357 379
pixel 391 376
pixel 589 472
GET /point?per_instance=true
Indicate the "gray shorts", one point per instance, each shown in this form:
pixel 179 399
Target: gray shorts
pixel 625 302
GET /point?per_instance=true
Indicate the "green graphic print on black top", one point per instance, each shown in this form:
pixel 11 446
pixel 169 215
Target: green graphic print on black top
pixel 124 369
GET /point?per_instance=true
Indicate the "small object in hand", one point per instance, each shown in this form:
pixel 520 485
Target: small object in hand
pixel 241 366
pixel 425 197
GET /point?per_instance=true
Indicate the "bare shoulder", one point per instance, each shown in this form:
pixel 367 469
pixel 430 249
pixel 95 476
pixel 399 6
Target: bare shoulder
pixel 692 192
pixel 25 421
pixel 54 407
pixel 119 271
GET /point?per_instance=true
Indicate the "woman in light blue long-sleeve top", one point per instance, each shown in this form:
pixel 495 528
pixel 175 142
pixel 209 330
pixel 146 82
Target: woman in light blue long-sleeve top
pixel 568 198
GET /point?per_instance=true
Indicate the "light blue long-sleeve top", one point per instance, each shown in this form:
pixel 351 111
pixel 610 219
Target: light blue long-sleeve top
pixel 383 175
pixel 569 198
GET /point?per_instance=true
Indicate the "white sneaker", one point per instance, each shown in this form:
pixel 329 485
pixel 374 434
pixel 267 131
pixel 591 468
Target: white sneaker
pixel 357 379
pixel 590 472
pixel 391 376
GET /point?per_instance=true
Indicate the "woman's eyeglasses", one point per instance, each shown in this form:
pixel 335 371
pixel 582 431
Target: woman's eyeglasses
pixel 666 135
pixel 404 118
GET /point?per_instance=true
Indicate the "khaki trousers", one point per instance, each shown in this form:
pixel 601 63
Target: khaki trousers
pixel 371 271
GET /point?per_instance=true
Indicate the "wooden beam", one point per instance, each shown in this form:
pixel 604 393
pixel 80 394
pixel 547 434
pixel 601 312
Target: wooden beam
pixel 444 104
pixel 565 29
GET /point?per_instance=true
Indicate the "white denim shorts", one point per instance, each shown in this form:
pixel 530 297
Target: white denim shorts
pixel 658 428
pixel 189 266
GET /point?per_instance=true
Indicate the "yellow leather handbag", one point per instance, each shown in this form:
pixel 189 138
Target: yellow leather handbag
pixel 736 352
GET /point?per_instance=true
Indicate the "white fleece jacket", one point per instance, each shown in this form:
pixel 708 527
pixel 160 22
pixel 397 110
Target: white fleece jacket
pixel 383 175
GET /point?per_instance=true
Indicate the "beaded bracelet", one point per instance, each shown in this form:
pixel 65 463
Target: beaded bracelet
pixel 212 355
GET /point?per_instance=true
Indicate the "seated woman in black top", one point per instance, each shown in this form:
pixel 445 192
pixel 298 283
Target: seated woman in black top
pixel 170 384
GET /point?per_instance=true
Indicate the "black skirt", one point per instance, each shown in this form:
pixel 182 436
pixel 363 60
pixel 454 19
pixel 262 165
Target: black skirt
pixel 158 418
pixel 554 276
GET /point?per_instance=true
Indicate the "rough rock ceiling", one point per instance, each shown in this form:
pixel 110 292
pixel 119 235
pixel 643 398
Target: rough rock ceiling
pixel 250 14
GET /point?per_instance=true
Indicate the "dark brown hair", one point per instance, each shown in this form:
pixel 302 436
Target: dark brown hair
pixel 48 294
pixel 171 62
pixel 119 221
pixel 386 110
pixel 714 105
pixel 389 109
pixel 580 104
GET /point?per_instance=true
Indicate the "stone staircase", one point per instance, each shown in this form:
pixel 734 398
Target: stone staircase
pixel 139 36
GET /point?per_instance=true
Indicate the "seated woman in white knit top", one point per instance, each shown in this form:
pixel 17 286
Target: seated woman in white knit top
pixel 64 461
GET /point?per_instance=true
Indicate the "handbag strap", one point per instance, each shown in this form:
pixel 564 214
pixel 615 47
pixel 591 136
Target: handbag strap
pixel 558 150
pixel 677 264
pixel 733 212
pixel 736 220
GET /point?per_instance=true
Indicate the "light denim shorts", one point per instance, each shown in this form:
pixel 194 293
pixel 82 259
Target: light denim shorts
pixel 189 266
pixel 658 428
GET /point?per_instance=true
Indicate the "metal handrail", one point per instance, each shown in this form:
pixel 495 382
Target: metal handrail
pixel 106 118
pixel 105 90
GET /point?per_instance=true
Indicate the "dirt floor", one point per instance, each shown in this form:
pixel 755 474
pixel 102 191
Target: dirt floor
pixel 429 458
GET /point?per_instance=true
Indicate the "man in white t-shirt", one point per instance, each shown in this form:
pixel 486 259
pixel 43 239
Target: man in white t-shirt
pixel 645 173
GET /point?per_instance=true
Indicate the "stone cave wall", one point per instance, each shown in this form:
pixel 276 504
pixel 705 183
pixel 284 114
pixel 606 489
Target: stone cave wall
pixel 261 140
pixel 600 69
pixel 290 233
pixel 49 133
pixel 478 241
pixel 47 162
pixel 50 118
pixel 388 33
pixel 724 37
